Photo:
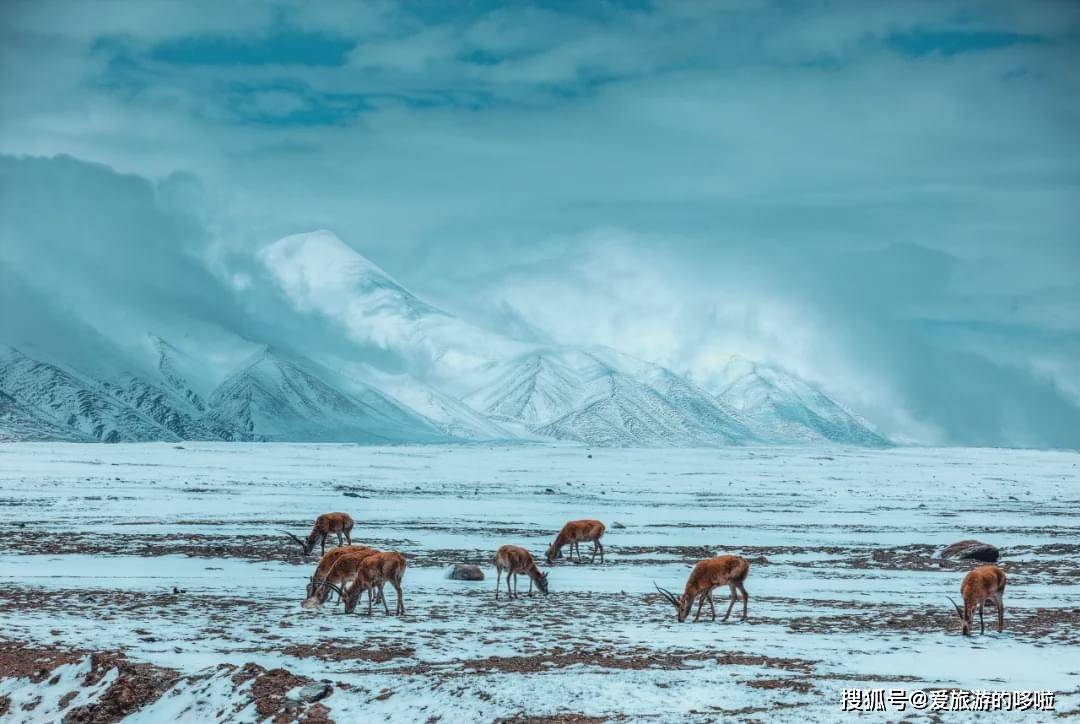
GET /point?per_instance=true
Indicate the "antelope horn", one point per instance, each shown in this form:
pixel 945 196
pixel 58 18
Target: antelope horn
pixel 332 587
pixel 959 611
pixel 303 545
pixel 667 594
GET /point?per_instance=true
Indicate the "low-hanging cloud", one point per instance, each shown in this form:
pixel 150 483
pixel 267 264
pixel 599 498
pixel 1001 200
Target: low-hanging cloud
pixel 879 196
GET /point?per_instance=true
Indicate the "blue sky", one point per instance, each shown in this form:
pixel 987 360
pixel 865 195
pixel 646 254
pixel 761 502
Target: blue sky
pixel 881 196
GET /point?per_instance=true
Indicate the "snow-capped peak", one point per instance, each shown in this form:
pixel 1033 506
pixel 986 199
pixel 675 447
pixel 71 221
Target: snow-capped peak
pixel 318 272
pixel 399 370
pixel 782 407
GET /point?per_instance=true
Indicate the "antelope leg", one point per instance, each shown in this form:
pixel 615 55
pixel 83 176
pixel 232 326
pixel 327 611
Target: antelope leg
pixel 731 603
pixel 701 602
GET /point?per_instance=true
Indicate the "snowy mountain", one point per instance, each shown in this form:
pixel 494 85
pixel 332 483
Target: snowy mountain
pixel 274 396
pixel 452 416
pixel 319 273
pixel 174 367
pixel 782 408
pixel 531 389
pixel 19 421
pixel 379 365
pixel 279 397
pixel 602 398
pixel 81 405
pixel 161 405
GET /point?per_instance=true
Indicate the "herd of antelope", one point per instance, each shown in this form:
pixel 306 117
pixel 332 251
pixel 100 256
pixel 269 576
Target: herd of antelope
pixel 349 570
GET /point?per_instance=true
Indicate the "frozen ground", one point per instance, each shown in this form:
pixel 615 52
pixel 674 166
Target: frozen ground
pixel 844 592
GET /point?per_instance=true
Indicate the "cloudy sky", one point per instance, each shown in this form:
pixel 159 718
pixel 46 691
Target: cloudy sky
pixel 882 197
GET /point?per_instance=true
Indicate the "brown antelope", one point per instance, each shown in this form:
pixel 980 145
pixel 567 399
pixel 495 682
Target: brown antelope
pixel 572 534
pixel 326 524
pixel 981 585
pixel 327 562
pixel 340 572
pixel 515 560
pixel 707 575
pixel 371 574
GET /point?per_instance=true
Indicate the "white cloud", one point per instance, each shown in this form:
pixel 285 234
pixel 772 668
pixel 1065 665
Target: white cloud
pixel 741 160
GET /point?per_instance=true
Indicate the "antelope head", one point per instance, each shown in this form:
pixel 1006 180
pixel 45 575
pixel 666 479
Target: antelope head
pixel 553 552
pixel 315 587
pixel 965 622
pixel 322 589
pixel 682 604
pixel 352 596
pixel 542 582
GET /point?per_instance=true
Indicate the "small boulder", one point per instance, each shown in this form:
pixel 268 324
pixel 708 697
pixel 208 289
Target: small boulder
pixel 617 525
pixel 314 692
pixel 465 572
pixel 972 550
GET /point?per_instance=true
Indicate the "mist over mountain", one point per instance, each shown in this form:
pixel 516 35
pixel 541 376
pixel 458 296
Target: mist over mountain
pixel 125 316
pixel 117 329
pixel 777 406
pixel 878 199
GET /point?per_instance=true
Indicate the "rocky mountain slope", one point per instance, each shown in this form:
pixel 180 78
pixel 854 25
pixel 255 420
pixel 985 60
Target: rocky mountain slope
pixel 588 396
pixel 384 366
pixel 782 408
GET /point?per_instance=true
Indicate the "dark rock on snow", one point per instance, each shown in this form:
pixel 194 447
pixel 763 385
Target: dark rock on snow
pixel 971 550
pixel 465 572
pixel 314 692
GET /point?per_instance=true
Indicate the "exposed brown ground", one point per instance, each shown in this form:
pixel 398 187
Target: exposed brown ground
pixel 136 685
pixel 139 684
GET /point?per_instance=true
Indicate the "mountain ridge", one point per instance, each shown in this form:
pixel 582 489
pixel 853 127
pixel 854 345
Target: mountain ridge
pixel 782 407
pixel 447 380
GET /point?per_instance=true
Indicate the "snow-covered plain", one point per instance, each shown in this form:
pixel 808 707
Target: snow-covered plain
pixel 844 591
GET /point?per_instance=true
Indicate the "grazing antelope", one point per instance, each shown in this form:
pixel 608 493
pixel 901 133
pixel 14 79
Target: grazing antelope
pixel 981 585
pixel 707 575
pixel 326 524
pixel 371 574
pixel 515 560
pixel 572 534
pixel 327 562
pixel 339 573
